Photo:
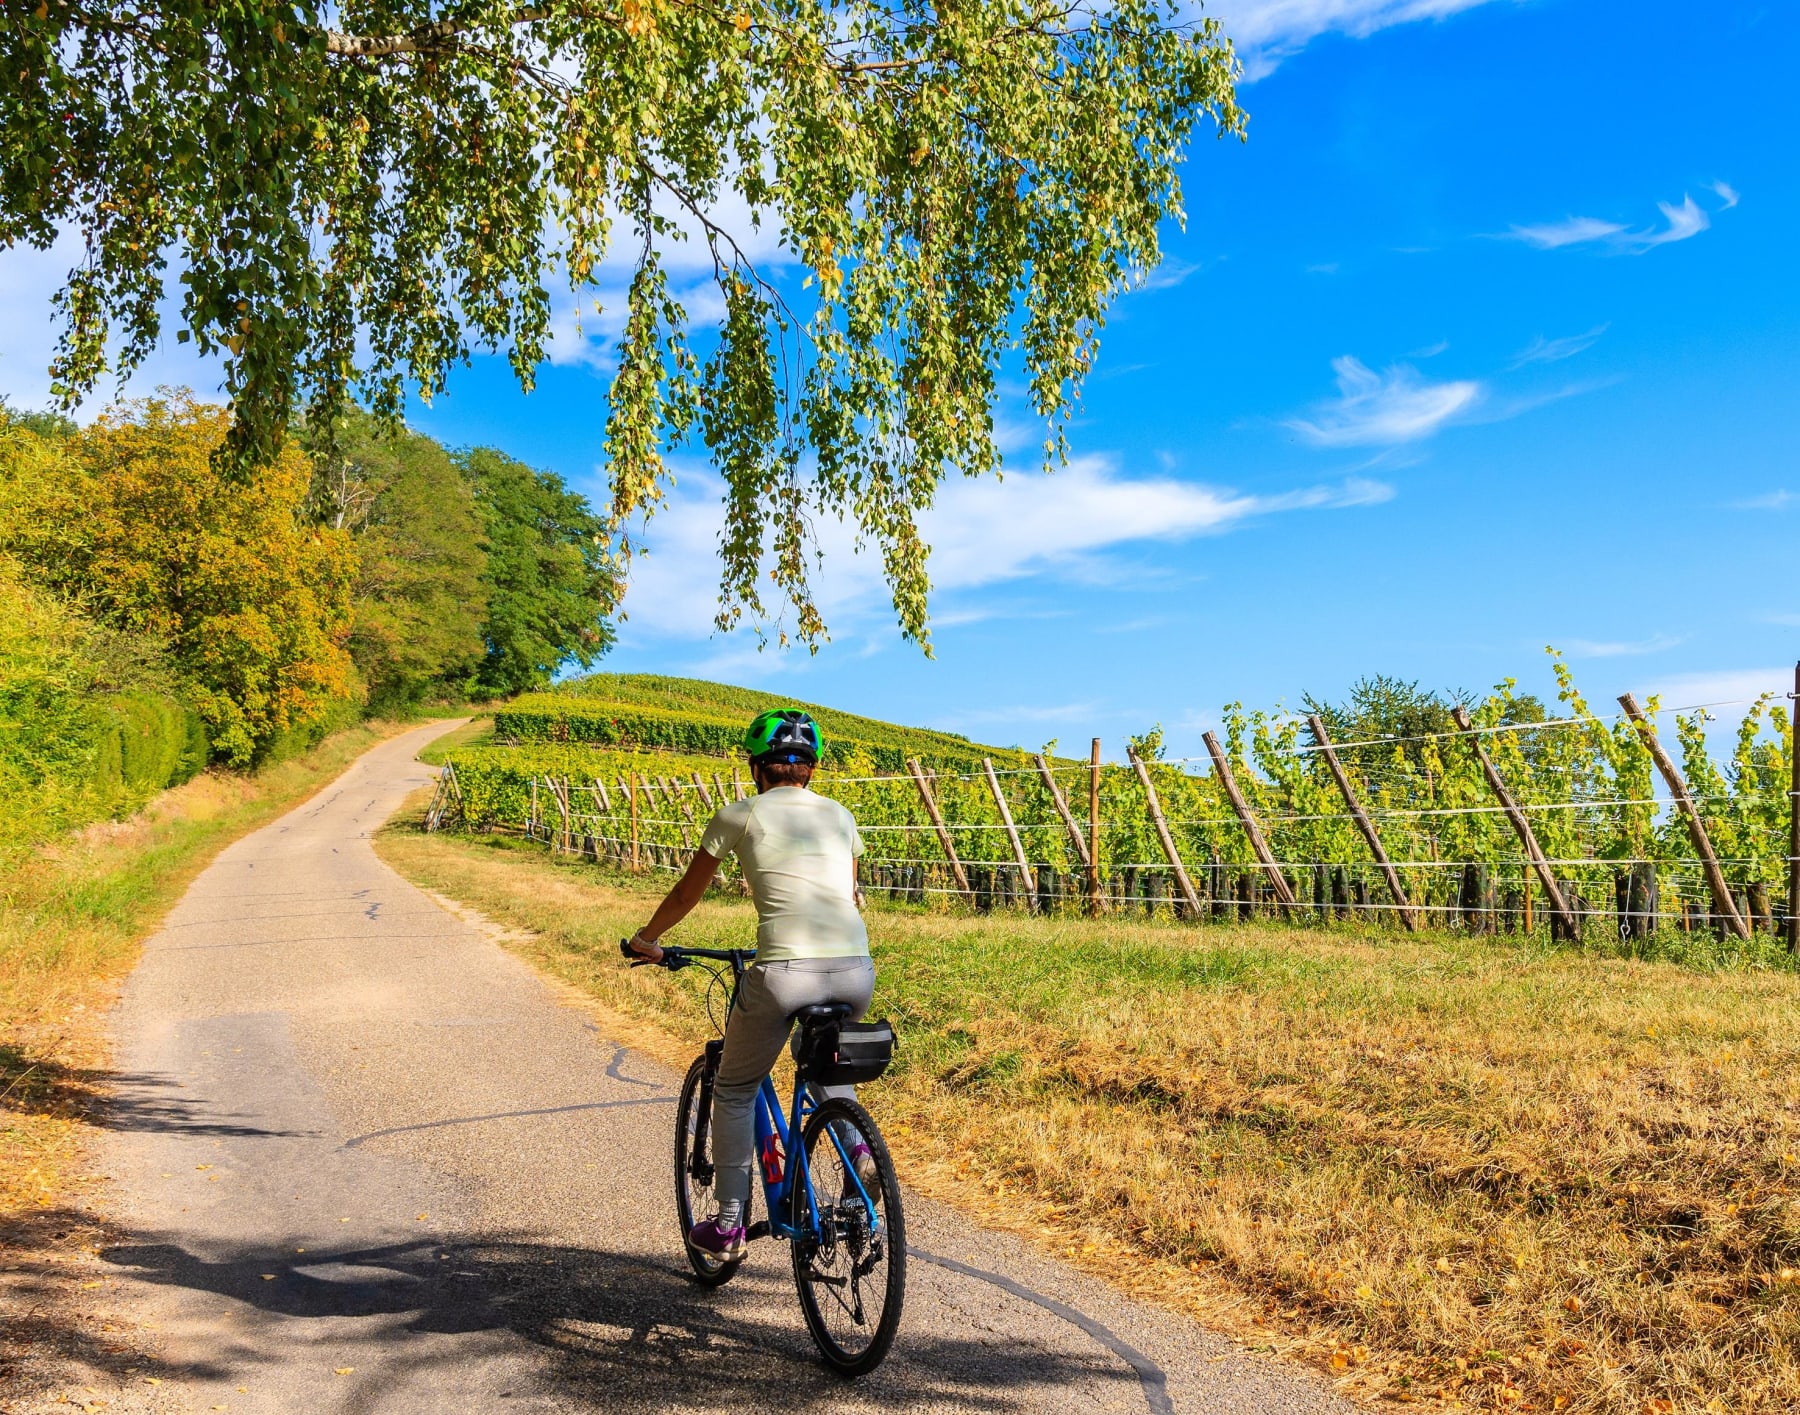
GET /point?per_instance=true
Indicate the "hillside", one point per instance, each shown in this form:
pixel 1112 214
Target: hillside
pixel 643 710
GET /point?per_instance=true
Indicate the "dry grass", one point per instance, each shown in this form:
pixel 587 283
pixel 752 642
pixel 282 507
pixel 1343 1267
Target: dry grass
pixel 71 918
pixel 1459 1170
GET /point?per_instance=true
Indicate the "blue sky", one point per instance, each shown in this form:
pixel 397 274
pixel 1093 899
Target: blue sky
pixel 1488 338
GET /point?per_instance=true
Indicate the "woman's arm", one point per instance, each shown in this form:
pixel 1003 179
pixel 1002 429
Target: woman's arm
pixel 677 904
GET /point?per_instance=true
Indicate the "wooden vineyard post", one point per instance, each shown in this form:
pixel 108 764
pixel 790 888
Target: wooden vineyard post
pixel 1563 916
pixel 1012 834
pixel 561 788
pixel 705 795
pixel 1793 899
pixel 601 796
pixel 1365 825
pixel 1095 904
pixel 1264 856
pixel 532 819
pixel 1723 904
pixel 937 821
pixel 438 793
pixel 1062 811
pixel 1162 834
pixel 719 787
pixel 631 794
pixel 1529 922
pixel 673 791
pixel 737 787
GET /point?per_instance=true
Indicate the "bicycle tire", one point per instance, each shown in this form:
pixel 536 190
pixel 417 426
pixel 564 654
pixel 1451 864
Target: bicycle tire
pixel 711 1271
pixel 856 1347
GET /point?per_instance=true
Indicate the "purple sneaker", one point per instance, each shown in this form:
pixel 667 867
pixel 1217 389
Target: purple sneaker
pixel 709 1238
pixel 864 1164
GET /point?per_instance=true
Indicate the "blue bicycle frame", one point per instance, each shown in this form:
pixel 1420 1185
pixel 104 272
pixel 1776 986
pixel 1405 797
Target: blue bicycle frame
pixel 774 1134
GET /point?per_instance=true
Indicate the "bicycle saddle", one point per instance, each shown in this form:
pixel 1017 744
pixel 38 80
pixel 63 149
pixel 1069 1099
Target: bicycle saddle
pixel 815 1013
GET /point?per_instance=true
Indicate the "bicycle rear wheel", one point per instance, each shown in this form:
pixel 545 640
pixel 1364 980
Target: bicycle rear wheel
pixel 695 1175
pixel 852 1280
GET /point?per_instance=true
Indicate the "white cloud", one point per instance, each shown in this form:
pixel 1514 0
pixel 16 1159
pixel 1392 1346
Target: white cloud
pixel 1683 221
pixel 1168 275
pixel 1768 501
pixel 1679 224
pixel 1430 351
pixel 1269 31
pixel 1602 648
pixel 1384 409
pixel 1726 193
pixel 1572 231
pixel 1734 687
pixel 1549 351
pixel 982 532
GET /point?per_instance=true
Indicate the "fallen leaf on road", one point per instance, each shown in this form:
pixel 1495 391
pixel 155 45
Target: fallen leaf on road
pixel 87 1285
pixel 342 1370
pixel 268 1277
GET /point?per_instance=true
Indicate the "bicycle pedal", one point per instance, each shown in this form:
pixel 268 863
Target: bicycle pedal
pixel 759 1229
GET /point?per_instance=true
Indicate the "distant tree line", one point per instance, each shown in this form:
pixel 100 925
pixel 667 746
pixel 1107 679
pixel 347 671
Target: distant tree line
pixel 247 616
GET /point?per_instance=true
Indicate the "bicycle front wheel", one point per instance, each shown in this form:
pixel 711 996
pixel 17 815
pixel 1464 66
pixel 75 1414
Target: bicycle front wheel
pixel 852 1274
pixel 695 1173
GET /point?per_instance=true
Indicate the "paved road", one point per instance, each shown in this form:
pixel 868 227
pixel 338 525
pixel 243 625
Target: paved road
pixel 370 1163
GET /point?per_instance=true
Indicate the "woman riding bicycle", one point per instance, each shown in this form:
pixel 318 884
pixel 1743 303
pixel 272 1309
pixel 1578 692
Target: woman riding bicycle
pixel 798 854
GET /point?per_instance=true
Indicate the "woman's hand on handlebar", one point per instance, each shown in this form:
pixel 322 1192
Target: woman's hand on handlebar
pixel 647 949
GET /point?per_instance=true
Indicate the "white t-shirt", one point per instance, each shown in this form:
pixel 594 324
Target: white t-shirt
pixel 798 853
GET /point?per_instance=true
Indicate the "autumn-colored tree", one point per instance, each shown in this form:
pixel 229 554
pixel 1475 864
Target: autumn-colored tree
pixel 132 518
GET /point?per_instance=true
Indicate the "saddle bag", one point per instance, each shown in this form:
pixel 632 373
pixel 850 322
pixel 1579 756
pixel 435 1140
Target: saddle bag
pixel 849 1053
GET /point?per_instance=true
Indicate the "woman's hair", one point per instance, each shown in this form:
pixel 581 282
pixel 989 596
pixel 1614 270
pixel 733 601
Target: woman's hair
pixel 785 773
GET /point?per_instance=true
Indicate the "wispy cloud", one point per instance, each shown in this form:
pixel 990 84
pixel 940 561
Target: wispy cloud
pixel 1768 501
pixel 1679 223
pixel 1732 687
pixel 982 533
pixel 1726 193
pixel 1384 409
pixel 1571 231
pixel 1430 351
pixel 1614 648
pixel 1167 275
pixel 1549 351
pixel 1269 31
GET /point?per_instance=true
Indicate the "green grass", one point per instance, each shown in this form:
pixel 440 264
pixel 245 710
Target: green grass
pixel 478 731
pixel 1471 1169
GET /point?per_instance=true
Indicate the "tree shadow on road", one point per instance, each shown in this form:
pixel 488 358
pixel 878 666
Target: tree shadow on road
pixel 626 1333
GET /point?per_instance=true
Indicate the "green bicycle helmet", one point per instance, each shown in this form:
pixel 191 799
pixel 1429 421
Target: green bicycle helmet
pixel 784 735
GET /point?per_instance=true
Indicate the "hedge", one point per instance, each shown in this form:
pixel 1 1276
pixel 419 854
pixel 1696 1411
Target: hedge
pixel 88 728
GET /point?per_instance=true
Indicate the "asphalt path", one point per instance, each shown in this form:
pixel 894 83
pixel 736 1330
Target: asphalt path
pixel 367 1161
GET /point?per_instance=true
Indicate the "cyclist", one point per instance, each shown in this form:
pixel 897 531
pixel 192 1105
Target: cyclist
pixel 798 852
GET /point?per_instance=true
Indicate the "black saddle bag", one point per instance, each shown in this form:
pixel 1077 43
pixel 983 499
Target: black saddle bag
pixel 847 1053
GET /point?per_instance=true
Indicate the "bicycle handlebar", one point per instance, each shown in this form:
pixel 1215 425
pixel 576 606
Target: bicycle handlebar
pixel 674 958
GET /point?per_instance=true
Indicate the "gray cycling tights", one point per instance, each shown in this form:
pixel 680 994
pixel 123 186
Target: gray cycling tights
pixel 770 994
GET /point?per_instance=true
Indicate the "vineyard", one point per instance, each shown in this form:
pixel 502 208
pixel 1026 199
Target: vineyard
pixel 1513 818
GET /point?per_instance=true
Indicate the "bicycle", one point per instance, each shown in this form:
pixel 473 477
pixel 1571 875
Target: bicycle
pixel 848 1253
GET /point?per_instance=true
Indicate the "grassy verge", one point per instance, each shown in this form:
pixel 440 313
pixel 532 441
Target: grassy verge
pixel 1464 1171
pixel 71 917
pixel 476 731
